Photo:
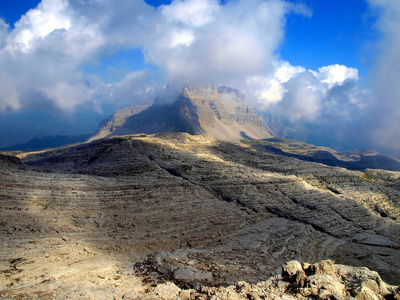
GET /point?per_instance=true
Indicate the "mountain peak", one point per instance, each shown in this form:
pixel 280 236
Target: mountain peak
pixel 221 112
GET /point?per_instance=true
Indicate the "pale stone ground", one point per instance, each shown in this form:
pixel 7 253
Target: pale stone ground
pixel 121 216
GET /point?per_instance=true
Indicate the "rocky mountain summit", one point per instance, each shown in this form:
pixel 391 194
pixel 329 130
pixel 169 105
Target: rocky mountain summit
pixel 221 112
pixel 176 216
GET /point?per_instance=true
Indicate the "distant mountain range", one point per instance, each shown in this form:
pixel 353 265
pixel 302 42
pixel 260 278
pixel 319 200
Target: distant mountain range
pixel 352 160
pixel 44 141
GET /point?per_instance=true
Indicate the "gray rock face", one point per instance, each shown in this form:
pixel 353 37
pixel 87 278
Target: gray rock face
pixel 221 112
pixel 117 120
pixel 218 212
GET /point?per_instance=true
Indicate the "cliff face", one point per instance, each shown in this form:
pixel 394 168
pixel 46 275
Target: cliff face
pixel 220 112
pixel 223 113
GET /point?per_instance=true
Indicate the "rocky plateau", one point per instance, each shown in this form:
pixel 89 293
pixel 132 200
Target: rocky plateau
pixel 180 216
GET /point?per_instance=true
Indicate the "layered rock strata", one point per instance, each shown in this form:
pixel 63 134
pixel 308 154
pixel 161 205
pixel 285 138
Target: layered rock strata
pixel 186 209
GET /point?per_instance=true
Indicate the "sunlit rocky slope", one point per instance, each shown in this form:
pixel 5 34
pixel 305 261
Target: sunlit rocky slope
pixel 122 215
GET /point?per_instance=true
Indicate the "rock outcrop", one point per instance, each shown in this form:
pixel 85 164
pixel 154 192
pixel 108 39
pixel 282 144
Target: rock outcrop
pixel 7 161
pixel 221 112
pixel 172 213
pixel 322 280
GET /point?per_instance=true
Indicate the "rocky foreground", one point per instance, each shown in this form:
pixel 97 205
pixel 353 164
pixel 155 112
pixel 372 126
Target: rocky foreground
pixel 322 280
pixel 175 215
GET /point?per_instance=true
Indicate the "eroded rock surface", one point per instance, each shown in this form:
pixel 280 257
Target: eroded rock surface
pixel 120 216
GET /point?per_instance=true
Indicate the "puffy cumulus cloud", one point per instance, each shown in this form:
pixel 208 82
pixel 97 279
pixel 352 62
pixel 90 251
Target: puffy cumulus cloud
pixel 192 13
pixel 286 71
pixel 384 122
pixel 271 90
pixel 38 23
pixel 41 56
pixel 197 41
pixel 298 94
pixel 205 42
pixel 336 75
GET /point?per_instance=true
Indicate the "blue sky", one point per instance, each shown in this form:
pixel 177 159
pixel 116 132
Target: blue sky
pixel 69 64
pixel 339 32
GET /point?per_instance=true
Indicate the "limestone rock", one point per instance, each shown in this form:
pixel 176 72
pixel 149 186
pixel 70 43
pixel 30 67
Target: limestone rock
pixel 324 286
pixel 165 291
pixel 132 295
pixel 155 204
pixel 326 280
pixel 221 112
pixel 290 269
pixel 189 274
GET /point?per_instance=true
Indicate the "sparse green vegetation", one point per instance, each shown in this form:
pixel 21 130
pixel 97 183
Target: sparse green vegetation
pixel 368 177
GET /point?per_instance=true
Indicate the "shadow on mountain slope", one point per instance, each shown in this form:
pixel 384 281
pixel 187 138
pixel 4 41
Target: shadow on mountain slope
pixel 178 116
pixel 351 160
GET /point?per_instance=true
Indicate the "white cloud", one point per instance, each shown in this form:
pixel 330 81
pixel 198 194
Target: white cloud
pixel 8 94
pixel 42 56
pixel 199 41
pixel 303 99
pixel 384 122
pixel 202 42
pixel 336 74
pixel 267 91
pixel 191 12
pixel 180 38
pixel 286 71
pixel 37 23
pixel 135 88
pixel 299 94
pixel 3 33
pixel 271 90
